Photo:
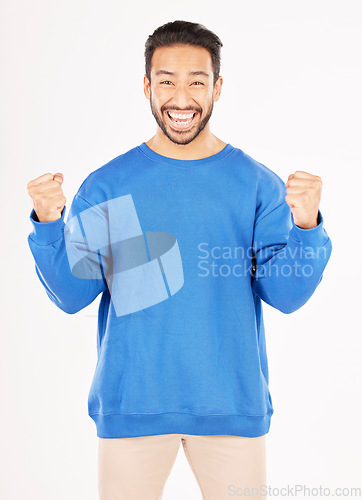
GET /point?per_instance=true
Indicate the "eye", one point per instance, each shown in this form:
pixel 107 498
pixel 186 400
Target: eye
pixel 168 81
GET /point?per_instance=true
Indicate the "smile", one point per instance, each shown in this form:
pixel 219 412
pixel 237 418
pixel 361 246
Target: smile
pixel 181 120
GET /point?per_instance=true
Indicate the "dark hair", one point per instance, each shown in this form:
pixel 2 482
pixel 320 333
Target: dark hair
pixel 183 33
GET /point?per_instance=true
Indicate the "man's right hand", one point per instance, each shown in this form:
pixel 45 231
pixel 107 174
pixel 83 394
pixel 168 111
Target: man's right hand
pixel 47 195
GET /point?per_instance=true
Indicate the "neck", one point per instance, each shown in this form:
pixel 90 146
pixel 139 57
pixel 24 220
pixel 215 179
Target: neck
pixel 201 147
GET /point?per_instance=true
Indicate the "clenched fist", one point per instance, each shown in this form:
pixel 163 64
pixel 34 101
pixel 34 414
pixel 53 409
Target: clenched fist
pixel 47 195
pixel 304 192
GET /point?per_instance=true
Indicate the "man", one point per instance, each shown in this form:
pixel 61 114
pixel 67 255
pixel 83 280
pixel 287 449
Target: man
pixel 184 236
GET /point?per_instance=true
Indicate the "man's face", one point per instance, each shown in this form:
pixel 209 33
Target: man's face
pixel 175 90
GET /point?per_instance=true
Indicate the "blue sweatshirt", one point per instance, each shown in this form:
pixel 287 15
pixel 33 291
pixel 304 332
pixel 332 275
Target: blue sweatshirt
pixel 183 252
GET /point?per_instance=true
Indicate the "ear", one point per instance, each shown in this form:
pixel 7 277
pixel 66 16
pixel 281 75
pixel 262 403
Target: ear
pixel 146 87
pixel 217 88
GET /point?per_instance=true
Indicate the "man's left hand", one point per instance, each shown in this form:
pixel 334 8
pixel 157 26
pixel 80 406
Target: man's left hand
pixel 303 197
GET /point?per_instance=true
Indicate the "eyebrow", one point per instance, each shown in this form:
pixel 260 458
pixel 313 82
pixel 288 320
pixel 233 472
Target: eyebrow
pixel 165 72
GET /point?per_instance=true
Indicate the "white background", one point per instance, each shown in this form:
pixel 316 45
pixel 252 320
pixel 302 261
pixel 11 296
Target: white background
pixel 71 100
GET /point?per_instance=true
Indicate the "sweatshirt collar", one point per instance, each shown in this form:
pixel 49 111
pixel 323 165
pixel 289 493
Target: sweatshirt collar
pixel 185 163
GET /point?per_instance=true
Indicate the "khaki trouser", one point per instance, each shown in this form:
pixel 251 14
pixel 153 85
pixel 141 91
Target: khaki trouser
pixel 137 468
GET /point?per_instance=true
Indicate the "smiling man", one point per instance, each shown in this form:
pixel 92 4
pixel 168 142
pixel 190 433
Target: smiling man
pixel 182 101
pixel 184 236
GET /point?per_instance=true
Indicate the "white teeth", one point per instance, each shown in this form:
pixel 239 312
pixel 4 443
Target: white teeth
pixel 181 115
pixel 184 123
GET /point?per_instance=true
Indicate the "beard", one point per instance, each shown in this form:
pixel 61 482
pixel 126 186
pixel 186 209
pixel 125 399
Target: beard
pixel 181 137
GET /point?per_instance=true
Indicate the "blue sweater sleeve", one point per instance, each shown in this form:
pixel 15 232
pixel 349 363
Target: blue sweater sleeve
pixel 288 261
pixel 69 286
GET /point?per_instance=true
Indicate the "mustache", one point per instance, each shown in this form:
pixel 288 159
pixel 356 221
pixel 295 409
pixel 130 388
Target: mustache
pixel 182 110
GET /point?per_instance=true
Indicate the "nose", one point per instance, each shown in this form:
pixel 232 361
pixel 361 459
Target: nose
pixel 182 99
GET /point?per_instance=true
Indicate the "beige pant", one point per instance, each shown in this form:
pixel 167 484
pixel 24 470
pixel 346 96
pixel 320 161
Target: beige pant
pixel 137 468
